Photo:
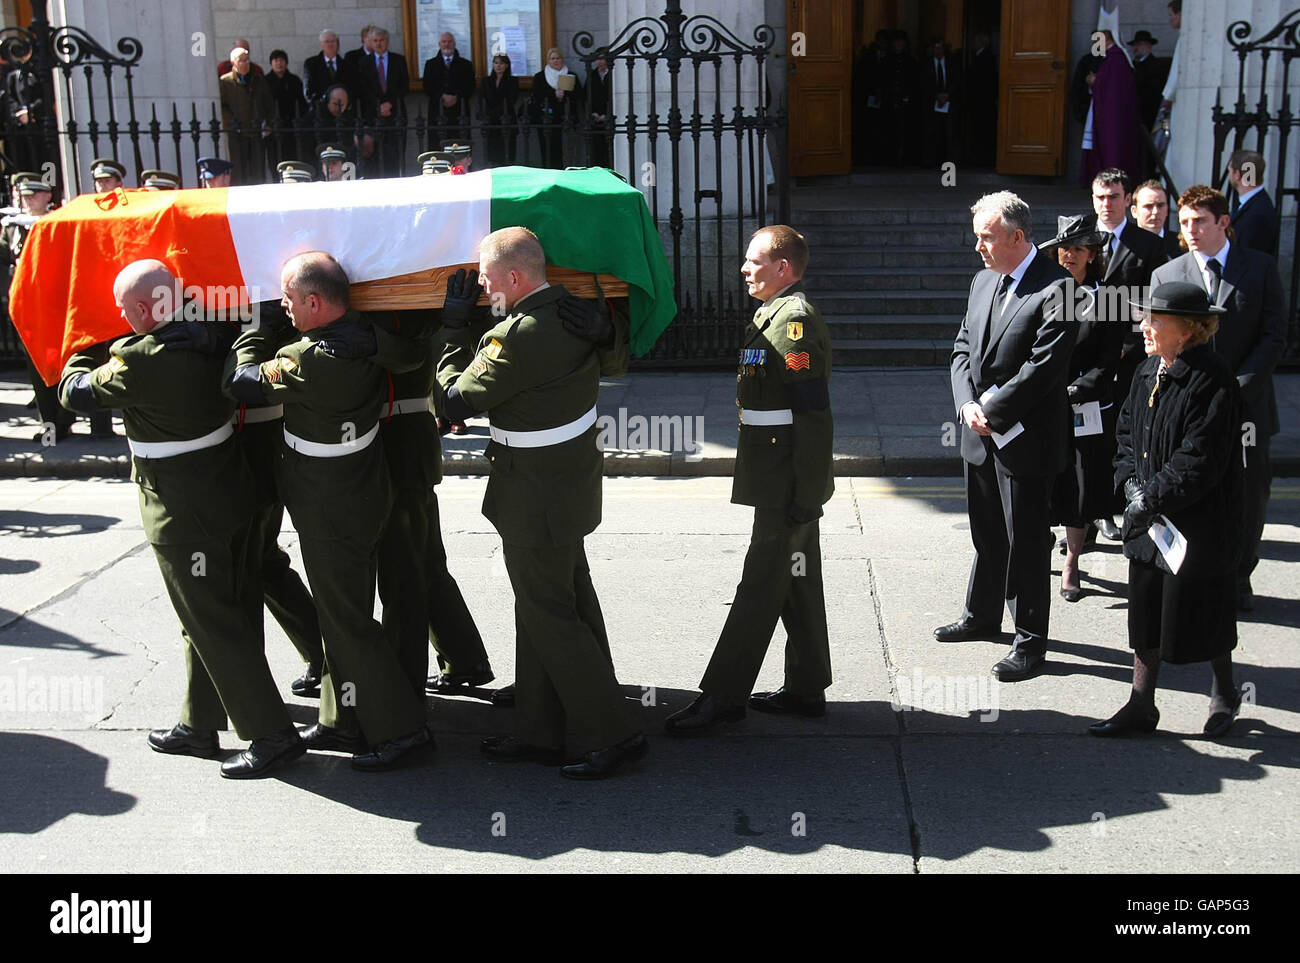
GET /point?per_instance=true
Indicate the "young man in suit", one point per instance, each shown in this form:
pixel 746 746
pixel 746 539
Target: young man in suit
pixel 940 82
pixel 385 82
pixel 1254 218
pixel 1010 367
pixel 449 85
pixel 1150 210
pixel 1251 337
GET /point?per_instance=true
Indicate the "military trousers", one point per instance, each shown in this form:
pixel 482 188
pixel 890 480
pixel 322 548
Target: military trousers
pixel 215 588
pixel 363 685
pixel 454 634
pixel 286 597
pixel 566 694
pixel 782 579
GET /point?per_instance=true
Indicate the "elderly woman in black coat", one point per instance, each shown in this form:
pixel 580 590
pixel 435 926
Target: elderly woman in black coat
pixel 1179 464
pixel 1083 490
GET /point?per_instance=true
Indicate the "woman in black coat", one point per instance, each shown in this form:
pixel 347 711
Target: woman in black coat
pixel 1083 490
pixel 551 104
pixel 498 94
pixel 1179 460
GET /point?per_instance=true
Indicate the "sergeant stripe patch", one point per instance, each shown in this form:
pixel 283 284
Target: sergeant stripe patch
pixel 798 362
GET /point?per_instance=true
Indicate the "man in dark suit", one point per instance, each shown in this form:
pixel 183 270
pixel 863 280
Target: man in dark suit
pixel 449 84
pixel 1010 367
pixel 1128 258
pixel 981 95
pixel 939 79
pixel 352 59
pixel 1150 210
pixel 1251 337
pixel 385 82
pixel 327 68
pixel 598 83
pixel 1151 72
pixel 1254 218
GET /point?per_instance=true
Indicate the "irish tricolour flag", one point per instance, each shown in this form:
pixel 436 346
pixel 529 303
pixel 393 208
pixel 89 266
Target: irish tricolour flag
pixel 61 299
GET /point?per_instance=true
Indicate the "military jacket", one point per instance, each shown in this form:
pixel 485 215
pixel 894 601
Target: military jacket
pixel 412 444
pixel 170 396
pixel 330 400
pixel 785 363
pixel 528 373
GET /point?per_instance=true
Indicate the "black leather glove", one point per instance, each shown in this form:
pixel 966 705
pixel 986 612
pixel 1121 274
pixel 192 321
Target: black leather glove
pixel 797 514
pixel 587 321
pixel 461 303
pixel 206 337
pixel 1132 489
pixel 349 341
pixel 1139 514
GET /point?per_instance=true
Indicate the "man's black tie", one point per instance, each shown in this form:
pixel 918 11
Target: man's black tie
pixel 1215 268
pixel 998 297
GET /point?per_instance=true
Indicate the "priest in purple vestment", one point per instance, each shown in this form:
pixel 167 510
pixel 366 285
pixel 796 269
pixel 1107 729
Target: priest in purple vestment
pixel 1110 134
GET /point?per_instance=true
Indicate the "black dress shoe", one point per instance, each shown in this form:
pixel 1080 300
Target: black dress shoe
pixel 702 715
pixel 1018 666
pixel 504 698
pixel 181 740
pixel 786 703
pixel 394 753
pixel 307 684
pixel 1130 720
pixel 451 683
pixel 265 755
pixel 1220 722
pixel 963 630
pixel 1108 529
pixel 1071 594
pixel 512 749
pixel 319 737
pixel 603 763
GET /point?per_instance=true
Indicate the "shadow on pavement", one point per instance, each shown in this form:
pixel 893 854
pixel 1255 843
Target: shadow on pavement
pixel 48 778
pixel 27 524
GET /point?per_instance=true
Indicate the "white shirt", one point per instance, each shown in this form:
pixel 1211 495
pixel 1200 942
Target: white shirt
pixel 1019 273
pixel 1243 198
pixel 1203 259
pixel 1114 236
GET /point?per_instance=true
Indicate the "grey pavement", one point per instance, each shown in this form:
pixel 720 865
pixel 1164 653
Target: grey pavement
pixel 888 422
pixel 968 776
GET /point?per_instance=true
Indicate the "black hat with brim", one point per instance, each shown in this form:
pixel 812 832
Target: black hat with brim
pixel 1079 230
pixel 1143 36
pixel 1179 297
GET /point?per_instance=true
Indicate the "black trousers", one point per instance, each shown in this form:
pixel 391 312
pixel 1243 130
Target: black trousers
pixel 1010 527
pixel 1256 484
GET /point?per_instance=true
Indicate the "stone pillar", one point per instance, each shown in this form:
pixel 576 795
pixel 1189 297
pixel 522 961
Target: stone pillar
pixel 178 68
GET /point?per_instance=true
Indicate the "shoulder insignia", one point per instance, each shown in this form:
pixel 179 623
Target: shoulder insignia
pixel 798 362
pixel 794 330
pixel 271 370
pixel 287 363
pixel 112 367
pixel 493 350
pixel 478 367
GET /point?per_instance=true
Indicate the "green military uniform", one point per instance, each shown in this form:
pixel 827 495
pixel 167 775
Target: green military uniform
pixel 531 375
pixel 260 430
pixel 783 459
pixel 334 480
pixel 421 599
pixel 195 506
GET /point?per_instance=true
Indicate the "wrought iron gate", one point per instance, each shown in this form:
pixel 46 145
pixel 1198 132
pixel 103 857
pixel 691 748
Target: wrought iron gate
pixel 1284 41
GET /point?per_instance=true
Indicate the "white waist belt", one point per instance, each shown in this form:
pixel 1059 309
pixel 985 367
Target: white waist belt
pixel 782 416
pixel 253 416
pixel 168 449
pixel 405 406
pixel 547 436
pixel 319 449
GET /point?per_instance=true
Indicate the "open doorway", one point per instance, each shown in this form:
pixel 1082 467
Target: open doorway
pixel 925 80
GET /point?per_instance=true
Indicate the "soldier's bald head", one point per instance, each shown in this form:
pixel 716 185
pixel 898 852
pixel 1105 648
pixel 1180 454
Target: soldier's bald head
pixel 315 289
pixel 515 249
pixel 139 288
